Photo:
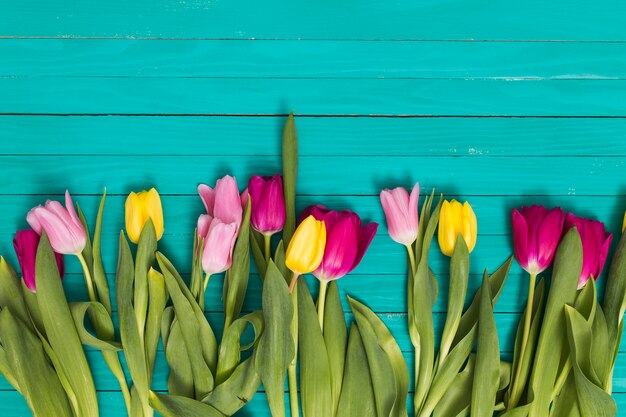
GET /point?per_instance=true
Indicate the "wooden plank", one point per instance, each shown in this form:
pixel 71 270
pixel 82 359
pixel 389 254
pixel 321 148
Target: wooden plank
pixel 311 59
pixel 244 19
pixel 328 175
pixel 327 96
pixel 256 136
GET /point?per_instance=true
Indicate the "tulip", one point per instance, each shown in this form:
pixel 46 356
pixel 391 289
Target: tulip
pixel 62 225
pixel 536 234
pixel 346 243
pixel 401 213
pixel 25 244
pixel 456 219
pixel 596 242
pixel 268 204
pixel 306 248
pixel 139 208
pixel 624 223
pixel 220 226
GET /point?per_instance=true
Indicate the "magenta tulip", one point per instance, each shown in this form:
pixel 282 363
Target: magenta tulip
pixel 219 227
pixel 536 234
pixel 401 213
pixel 346 241
pixel 25 244
pixel 268 204
pixel 62 225
pixel 596 242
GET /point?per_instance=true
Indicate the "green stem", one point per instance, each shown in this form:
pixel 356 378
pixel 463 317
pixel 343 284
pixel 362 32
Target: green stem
pixel 268 247
pixel 411 259
pixel 205 283
pixel 88 279
pixel 293 386
pixel 321 303
pixel 515 396
pixel 560 381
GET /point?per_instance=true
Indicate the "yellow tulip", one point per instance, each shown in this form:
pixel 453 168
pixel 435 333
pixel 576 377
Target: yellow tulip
pixel 306 248
pixel 624 224
pixel 454 219
pixel 139 208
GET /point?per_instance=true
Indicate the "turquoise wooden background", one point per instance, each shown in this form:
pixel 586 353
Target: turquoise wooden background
pixel 500 103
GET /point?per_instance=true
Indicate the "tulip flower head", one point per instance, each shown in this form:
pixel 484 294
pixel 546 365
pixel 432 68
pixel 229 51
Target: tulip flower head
pixel 346 241
pixel 268 204
pixel 596 242
pixel 537 232
pixel 140 207
pixel 62 225
pixel 401 213
pixel 25 244
pixel 306 248
pixel 219 227
pixel 456 219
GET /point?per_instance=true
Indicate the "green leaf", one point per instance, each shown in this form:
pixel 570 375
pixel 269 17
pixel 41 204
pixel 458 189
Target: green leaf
pixel 447 374
pixel 180 380
pixel 357 392
pixel 234 393
pixel 132 340
pixel 487 370
pixel 258 254
pixel 60 330
pixel 5 368
pixel 238 274
pixel 144 259
pixel 315 379
pixel 593 401
pixel 336 339
pixel 390 376
pixel 166 322
pixel 275 350
pixel 39 383
pixel 196 283
pixel 190 328
pixel 279 260
pixel 230 348
pixel 615 295
pixel 514 394
pixel 11 295
pixel 32 305
pixel 496 283
pixel 566 403
pixel 100 319
pixel 99 276
pixel 600 353
pixel 176 406
pixel 459 274
pixel 208 343
pixel 156 306
pixel 290 176
pixel 456 401
pixel 552 338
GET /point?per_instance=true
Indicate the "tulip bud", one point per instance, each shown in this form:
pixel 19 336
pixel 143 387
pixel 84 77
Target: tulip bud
pixel 401 213
pixel 536 234
pixel 140 207
pixel 346 241
pixel 268 204
pixel 456 219
pixel 25 244
pixel 306 248
pixel 596 242
pixel 62 225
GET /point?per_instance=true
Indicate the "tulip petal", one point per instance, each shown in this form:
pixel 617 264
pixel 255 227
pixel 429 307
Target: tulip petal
pixel 520 239
pixel 218 247
pixel 367 235
pixel 548 237
pixel 227 206
pixel 154 211
pixel 207 195
pixel 134 216
pixel 340 250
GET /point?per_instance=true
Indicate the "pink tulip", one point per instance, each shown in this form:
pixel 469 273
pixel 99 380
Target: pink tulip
pixel 268 204
pixel 536 234
pixel 219 227
pixel 346 241
pixel 596 242
pixel 401 212
pixel 65 230
pixel 25 244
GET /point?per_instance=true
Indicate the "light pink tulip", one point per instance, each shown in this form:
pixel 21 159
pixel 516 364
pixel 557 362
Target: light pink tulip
pixel 62 225
pixel 401 213
pixel 219 227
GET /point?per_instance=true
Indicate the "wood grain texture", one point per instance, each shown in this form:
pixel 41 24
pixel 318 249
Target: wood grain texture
pixel 484 101
pixel 370 19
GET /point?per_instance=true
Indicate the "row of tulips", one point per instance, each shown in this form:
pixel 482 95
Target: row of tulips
pixel 565 348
